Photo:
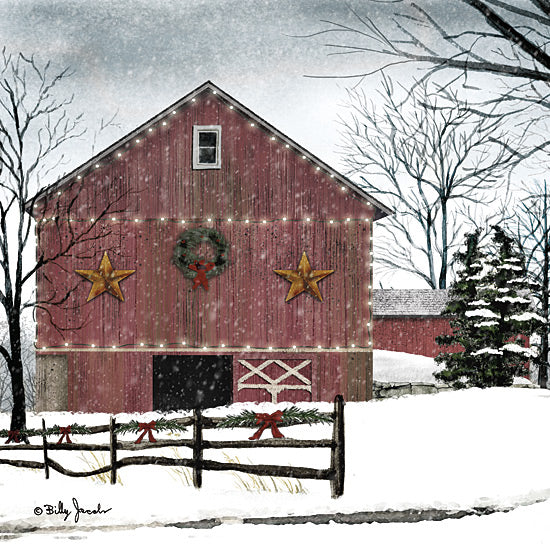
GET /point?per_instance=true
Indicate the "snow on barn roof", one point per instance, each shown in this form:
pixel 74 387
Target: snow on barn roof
pixel 408 302
pixel 381 210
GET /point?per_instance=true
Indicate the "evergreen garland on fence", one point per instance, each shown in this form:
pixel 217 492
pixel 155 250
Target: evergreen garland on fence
pixel 161 425
pixel 22 433
pixel 291 416
pixel 77 429
pixel 247 419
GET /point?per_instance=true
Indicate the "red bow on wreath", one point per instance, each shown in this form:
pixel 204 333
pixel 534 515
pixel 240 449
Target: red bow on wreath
pixel 13 435
pixel 201 269
pixel 268 420
pixel 64 433
pixel 147 428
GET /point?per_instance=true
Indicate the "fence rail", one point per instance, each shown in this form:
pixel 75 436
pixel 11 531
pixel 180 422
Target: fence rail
pixel 334 473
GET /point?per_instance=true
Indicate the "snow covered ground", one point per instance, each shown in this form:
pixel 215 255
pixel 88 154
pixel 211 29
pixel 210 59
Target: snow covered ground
pixel 394 366
pixel 525 528
pixel 454 450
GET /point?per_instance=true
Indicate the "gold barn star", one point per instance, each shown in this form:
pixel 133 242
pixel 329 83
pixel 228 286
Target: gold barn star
pixel 303 279
pixel 105 278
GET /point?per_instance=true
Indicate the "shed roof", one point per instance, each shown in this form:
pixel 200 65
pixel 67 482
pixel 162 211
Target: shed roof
pixel 409 302
pixel 381 210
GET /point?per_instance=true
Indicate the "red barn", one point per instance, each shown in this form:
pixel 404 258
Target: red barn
pixel 233 265
pixel 408 320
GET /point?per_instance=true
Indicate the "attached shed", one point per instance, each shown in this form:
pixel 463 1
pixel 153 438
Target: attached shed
pixel 234 266
pixel 408 320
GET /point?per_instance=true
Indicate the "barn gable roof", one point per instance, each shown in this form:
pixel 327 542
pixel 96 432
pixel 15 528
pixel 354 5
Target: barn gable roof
pixel 381 210
pixel 409 302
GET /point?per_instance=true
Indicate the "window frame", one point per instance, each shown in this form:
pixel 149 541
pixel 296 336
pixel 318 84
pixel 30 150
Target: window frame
pixel 197 129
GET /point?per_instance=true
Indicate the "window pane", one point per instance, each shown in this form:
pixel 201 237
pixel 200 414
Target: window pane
pixel 206 147
pixel 207 139
pixel 207 155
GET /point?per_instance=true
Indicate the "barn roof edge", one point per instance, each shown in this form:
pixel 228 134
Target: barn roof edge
pixel 381 210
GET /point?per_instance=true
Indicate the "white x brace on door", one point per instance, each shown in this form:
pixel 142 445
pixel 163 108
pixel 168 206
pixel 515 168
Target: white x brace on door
pixel 274 385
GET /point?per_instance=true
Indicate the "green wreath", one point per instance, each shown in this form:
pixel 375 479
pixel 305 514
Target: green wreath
pixel 189 240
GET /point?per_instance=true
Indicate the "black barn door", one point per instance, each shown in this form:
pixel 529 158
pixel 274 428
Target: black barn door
pixel 191 381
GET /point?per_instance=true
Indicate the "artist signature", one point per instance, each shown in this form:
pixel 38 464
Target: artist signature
pixel 60 510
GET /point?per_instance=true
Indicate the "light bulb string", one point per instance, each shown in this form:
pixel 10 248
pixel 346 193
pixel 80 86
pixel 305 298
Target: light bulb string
pixel 179 346
pixel 207 220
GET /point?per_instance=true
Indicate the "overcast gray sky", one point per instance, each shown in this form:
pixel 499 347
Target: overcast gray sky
pixel 138 57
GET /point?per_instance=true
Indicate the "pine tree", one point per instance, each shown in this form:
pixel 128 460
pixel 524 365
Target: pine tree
pixel 462 366
pixel 491 308
pixel 507 312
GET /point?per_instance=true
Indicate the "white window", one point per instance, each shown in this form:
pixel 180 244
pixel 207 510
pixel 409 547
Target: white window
pixel 206 147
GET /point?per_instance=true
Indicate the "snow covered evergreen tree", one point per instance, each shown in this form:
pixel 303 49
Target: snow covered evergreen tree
pixel 507 311
pixel 491 309
pixel 461 367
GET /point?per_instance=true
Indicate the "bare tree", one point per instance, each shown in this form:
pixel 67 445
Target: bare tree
pixel 29 366
pixel 533 233
pixel 431 158
pixel 505 39
pixel 514 42
pixel 34 127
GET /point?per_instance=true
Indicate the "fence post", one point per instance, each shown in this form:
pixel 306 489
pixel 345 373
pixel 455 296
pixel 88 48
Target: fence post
pixel 45 447
pixel 337 454
pixel 197 448
pixel 113 444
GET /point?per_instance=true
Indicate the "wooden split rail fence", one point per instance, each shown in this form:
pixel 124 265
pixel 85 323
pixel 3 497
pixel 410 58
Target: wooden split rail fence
pixel 334 473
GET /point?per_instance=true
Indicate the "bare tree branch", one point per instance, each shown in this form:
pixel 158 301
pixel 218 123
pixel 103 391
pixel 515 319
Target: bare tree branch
pixel 532 228
pixel 35 124
pixel 427 157
pixel 410 43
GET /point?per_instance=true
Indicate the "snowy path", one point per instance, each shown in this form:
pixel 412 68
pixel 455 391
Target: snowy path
pixel 354 518
pixel 525 528
pixel 452 451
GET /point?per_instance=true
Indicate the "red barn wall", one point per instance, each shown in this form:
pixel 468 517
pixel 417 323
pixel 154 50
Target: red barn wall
pixel 260 179
pixel 102 381
pixel 414 335
pixel 244 306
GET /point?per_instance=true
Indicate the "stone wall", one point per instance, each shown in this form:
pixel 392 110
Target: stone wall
pixel 383 390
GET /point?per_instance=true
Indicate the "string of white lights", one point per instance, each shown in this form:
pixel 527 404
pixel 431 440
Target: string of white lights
pixel 162 124
pixel 135 141
pixel 210 220
pixel 179 346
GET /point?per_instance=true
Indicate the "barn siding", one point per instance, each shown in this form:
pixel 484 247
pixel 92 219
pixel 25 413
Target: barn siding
pixel 245 305
pixel 120 381
pixel 414 335
pixel 260 179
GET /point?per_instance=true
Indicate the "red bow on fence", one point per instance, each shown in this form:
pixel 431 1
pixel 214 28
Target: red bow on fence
pixel 64 433
pixel 13 435
pixel 147 428
pixel 268 420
